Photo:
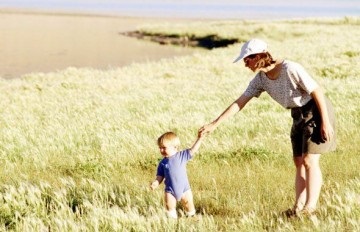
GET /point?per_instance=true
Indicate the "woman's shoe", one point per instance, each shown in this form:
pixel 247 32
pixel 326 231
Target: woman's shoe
pixel 306 212
pixel 292 212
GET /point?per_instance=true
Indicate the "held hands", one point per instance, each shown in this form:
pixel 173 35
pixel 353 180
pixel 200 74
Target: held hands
pixel 200 135
pixel 206 129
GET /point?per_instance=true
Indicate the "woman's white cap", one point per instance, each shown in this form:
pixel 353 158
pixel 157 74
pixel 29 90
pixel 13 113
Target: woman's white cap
pixel 253 46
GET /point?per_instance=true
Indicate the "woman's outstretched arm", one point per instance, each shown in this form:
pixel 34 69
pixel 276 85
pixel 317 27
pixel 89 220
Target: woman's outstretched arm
pixel 235 107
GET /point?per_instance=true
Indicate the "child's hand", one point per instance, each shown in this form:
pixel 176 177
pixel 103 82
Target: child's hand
pixel 206 129
pixel 154 185
pixel 201 135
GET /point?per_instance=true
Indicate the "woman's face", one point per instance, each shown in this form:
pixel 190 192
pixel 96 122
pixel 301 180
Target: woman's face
pixel 250 61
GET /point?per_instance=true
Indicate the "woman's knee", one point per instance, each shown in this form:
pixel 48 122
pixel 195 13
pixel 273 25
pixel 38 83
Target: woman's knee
pixel 307 160
pixel 298 161
pixel 311 160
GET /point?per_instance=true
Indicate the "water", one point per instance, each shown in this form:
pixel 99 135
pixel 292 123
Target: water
pixel 216 9
pixel 60 42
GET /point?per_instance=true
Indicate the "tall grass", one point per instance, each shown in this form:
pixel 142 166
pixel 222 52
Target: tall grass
pixel 78 146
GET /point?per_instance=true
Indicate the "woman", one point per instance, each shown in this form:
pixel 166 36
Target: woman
pixel 312 132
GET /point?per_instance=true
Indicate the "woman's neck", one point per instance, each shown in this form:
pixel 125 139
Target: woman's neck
pixel 273 71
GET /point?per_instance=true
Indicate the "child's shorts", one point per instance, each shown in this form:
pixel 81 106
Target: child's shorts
pixel 305 131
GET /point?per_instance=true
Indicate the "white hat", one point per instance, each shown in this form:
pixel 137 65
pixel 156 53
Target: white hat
pixel 251 47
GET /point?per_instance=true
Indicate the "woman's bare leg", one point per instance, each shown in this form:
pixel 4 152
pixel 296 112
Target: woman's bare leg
pixel 300 184
pixel 313 180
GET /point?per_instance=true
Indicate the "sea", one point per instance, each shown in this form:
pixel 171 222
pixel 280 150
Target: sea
pixel 15 59
pixel 197 9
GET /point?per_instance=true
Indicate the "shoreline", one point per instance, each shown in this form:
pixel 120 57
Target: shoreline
pixel 44 41
pixel 141 20
pixel 47 41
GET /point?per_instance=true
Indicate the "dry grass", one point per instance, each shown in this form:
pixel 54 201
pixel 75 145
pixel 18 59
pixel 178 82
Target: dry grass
pixel 78 146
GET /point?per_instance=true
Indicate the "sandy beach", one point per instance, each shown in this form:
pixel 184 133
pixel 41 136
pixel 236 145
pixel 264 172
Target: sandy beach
pixel 45 42
pixel 53 39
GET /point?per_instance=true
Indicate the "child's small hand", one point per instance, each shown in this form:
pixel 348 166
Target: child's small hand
pixel 154 185
pixel 207 129
pixel 201 135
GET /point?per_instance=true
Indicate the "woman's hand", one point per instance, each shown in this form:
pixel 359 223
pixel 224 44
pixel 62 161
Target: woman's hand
pixel 327 131
pixel 206 129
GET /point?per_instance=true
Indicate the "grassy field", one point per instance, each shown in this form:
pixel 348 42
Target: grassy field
pixel 78 147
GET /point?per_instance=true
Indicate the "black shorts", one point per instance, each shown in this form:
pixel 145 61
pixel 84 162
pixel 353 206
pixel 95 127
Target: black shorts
pixel 305 131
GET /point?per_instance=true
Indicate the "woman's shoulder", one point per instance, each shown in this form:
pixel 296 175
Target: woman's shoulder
pixel 291 64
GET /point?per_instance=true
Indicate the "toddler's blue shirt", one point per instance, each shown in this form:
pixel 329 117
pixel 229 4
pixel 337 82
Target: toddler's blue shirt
pixel 174 171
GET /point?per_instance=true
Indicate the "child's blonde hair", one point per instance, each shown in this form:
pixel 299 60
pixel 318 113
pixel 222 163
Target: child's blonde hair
pixel 168 138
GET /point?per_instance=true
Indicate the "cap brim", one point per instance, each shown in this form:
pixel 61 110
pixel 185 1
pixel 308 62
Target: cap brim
pixel 237 59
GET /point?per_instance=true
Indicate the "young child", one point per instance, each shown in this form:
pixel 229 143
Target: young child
pixel 172 168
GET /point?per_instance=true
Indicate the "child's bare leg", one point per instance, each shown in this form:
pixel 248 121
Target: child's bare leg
pixel 188 203
pixel 170 205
